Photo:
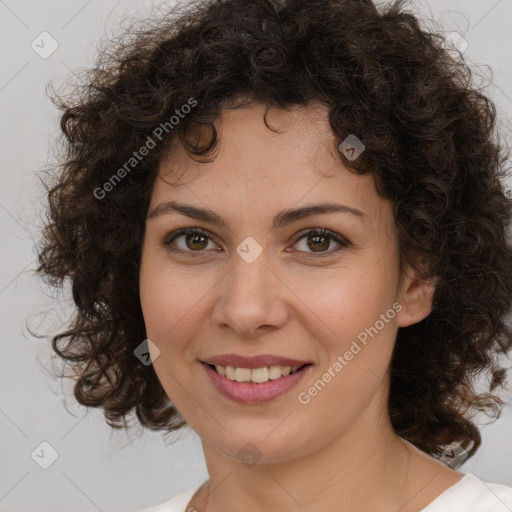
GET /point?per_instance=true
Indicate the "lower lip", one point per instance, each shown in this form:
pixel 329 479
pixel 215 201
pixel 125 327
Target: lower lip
pixel 252 392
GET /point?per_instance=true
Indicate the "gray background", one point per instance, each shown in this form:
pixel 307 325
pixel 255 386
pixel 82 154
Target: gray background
pixel 96 468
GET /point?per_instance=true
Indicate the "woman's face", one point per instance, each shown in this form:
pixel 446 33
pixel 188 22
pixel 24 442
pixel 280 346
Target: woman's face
pixel 259 285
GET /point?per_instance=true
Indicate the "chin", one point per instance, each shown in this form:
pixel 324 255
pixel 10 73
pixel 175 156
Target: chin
pixel 260 448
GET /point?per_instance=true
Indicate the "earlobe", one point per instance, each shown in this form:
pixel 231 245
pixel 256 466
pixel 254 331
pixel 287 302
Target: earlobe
pixel 416 298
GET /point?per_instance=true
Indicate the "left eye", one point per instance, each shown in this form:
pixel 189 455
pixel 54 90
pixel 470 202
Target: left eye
pixel 196 240
pixel 320 238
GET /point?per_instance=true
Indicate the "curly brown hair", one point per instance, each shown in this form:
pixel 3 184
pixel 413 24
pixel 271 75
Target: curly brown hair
pixel 432 145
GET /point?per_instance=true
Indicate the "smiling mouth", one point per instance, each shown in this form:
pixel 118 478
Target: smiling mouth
pixel 256 375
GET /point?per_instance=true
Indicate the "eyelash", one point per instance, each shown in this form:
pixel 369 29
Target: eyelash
pixel 198 231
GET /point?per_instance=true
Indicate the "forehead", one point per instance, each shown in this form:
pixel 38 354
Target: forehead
pixel 265 170
pixel 303 139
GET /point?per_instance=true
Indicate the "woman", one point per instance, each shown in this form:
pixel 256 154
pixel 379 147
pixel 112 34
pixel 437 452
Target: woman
pixel 284 226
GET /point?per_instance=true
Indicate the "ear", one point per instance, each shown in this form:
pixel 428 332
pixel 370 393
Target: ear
pixel 416 297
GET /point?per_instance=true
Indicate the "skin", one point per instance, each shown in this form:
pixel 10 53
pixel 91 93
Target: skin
pixel 339 451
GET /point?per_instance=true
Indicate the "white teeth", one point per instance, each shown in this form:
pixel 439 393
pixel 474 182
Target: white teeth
pixel 242 374
pixel 230 372
pixel 274 372
pixel 258 375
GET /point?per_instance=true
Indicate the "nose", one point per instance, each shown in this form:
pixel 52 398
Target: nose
pixel 252 299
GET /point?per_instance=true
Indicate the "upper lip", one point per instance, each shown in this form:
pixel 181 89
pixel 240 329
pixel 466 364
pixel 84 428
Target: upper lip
pixel 260 361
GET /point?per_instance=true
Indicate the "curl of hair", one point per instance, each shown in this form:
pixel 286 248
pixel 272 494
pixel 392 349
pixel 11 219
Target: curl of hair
pixel 431 144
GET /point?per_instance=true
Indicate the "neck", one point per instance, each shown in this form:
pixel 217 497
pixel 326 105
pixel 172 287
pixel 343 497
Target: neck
pixel 363 468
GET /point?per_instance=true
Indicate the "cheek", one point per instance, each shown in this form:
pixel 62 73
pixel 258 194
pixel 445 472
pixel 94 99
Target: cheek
pixel 342 306
pixel 162 292
pixel 165 311
pixel 358 346
pixel 168 307
pixel 172 300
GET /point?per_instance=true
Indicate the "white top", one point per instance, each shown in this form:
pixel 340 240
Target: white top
pixel 469 494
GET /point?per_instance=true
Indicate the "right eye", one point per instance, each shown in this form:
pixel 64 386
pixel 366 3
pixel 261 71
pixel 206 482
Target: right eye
pixel 194 240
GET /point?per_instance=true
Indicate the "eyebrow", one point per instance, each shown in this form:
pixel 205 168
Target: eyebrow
pixel 283 218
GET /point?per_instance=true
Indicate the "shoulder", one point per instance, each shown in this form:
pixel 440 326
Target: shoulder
pixel 176 504
pixel 471 494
